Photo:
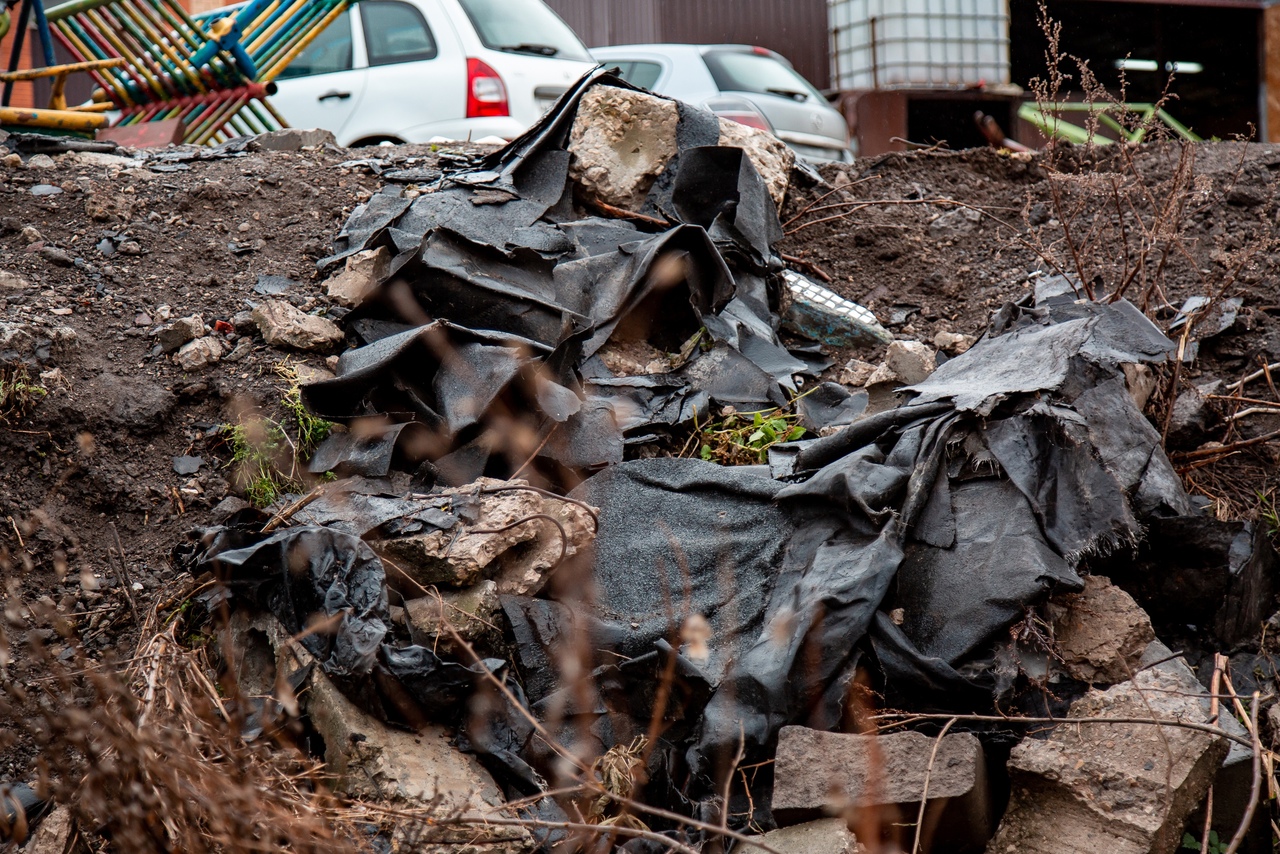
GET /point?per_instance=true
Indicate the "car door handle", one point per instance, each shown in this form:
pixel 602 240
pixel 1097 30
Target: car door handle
pixel 334 93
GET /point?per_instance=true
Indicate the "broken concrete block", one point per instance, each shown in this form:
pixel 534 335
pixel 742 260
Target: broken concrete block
pixel 173 335
pixel 911 361
pixel 1119 788
pixel 824 836
pixel 518 558
pixel 472 612
pixel 1191 418
pixel 953 342
pixel 772 157
pixel 54 835
pixel 856 373
pixel 955 223
pixel 1101 632
pixel 621 141
pixel 291 139
pixel 820 773
pixel 369 759
pixel 12 281
pixel 1141 382
pixel 199 354
pixel 363 272
pixel 282 325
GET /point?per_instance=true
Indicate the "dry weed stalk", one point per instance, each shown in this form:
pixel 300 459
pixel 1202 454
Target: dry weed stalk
pixel 153 756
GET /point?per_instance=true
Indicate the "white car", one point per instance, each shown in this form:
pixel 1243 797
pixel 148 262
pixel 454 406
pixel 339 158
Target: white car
pixel 751 85
pixel 414 70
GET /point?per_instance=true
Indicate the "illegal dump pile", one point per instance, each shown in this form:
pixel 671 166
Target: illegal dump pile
pixel 510 614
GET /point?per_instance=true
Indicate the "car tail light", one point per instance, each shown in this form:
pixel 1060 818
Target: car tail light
pixel 741 111
pixel 486 93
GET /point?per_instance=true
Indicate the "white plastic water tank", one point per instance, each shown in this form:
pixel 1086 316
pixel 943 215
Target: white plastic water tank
pixel 895 44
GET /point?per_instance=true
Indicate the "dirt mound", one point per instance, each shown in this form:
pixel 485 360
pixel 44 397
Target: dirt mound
pixel 100 256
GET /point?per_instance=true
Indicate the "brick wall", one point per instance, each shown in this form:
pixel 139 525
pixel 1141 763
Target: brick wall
pixel 22 92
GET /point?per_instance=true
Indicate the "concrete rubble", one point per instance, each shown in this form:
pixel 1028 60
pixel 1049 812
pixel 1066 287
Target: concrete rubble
pixel 359 276
pixel 282 325
pixel 623 140
pixel 823 836
pixel 824 773
pixel 369 759
pixel 441 569
pixel 174 334
pixel 1101 632
pixel 1123 788
pixel 514 540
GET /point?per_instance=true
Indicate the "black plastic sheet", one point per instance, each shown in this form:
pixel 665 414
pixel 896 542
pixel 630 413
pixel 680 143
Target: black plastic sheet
pixel 500 249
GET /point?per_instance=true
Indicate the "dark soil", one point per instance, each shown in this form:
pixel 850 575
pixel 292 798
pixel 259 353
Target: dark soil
pixel 97 453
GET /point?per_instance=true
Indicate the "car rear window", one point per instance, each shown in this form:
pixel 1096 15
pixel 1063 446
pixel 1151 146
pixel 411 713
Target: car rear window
pixel 523 26
pixel 744 71
pixel 331 51
pixel 395 32
pixel 636 72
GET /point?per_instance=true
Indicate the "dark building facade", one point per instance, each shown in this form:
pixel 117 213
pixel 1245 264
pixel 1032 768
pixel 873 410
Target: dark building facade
pixel 797 29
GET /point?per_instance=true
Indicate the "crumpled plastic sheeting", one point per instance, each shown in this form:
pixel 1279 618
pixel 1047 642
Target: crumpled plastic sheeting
pixel 499 249
pixel 304 574
pixel 963 508
pixel 301 573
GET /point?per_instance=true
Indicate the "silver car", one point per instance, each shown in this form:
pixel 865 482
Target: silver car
pixel 751 85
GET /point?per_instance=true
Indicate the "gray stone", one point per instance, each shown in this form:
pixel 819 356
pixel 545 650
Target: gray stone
pixel 238 352
pixel 57 256
pixel 826 773
pixel 46 190
pixel 471 612
pixel 911 361
pixel 518 559
pixel 955 223
pixel 54 835
pixel 824 836
pixel 282 325
pixel 101 158
pixel 1191 418
pixel 363 272
pixel 226 508
pixel 17 338
pixel 857 373
pixel 1101 632
pixel 244 323
pixel 1119 788
pixel 367 758
pixel 173 335
pixel 953 342
pixel 292 139
pixel 1141 382
pixel 621 141
pixel 199 354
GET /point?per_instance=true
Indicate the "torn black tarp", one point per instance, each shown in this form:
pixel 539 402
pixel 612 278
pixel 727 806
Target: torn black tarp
pixel 503 249
pixel 957 511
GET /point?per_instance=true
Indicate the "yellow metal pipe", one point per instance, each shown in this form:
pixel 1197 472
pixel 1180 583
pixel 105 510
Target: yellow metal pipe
pixel 53 119
pixel 161 42
pixel 108 33
pixel 78 44
pixel 269 31
pixel 273 70
pixel 55 70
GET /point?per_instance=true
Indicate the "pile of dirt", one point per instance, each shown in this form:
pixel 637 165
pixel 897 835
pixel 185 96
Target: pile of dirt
pixel 99 254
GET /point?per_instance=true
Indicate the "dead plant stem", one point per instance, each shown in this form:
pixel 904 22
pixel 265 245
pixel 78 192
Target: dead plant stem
pixel 126 584
pixel 924 794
